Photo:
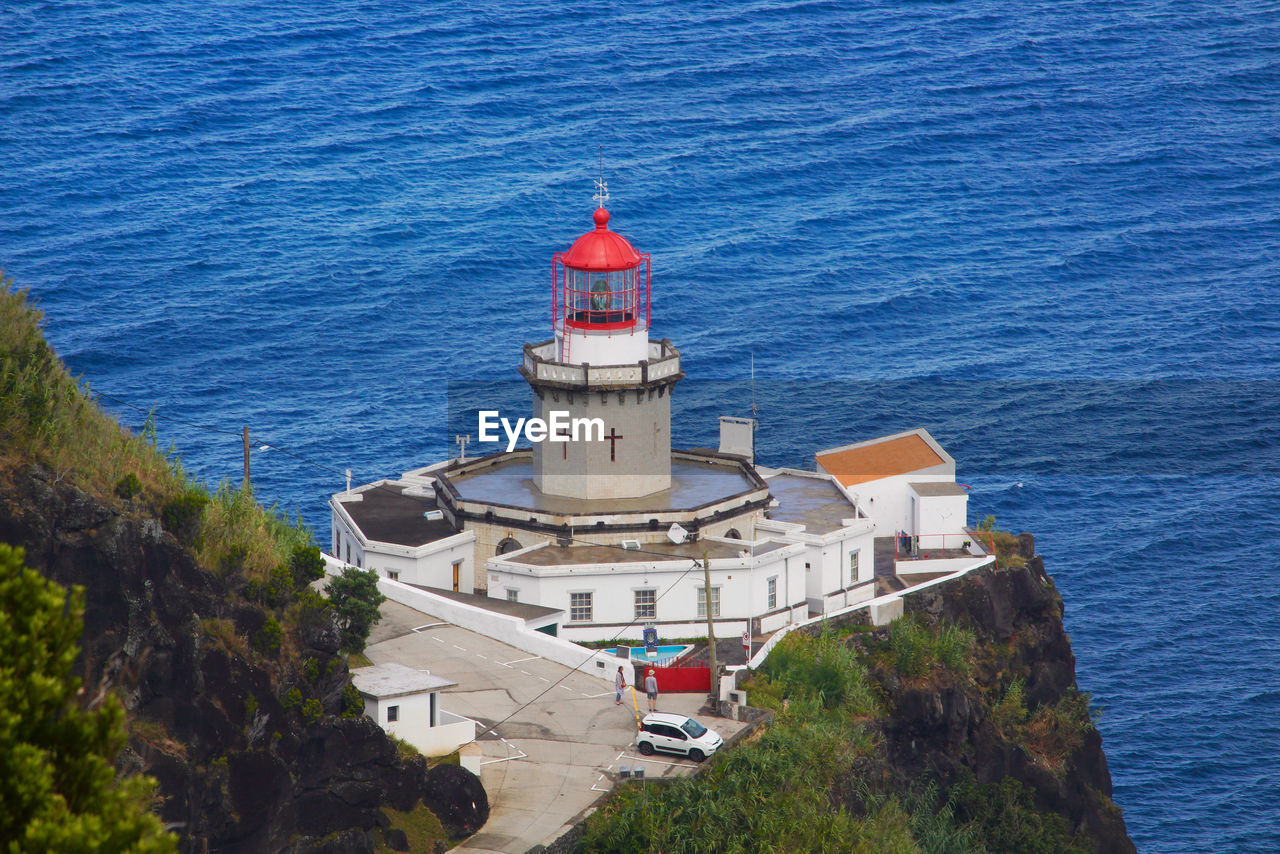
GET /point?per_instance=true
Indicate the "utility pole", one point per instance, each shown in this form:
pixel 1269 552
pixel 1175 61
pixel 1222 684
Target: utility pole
pixel 245 434
pixel 711 634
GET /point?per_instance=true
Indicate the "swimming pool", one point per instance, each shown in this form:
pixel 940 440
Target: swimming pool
pixel 661 654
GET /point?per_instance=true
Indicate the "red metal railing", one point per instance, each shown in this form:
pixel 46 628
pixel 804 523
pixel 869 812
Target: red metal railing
pixel 942 546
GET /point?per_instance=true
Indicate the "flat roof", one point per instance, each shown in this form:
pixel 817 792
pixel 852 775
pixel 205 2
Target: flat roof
pixel 395 680
pixel 930 489
pixel 510 483
pixel 814 502
pixel 868 461
pixel 387 515
pixel 549 555
pixel 523 610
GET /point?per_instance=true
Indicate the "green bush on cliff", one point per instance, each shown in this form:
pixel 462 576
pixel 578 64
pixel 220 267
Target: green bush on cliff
pixel 355 597
pixel 58 789
pixel 824 669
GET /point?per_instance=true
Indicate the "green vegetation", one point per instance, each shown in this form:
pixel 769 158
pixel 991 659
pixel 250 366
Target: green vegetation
pixel 816 779
pixel 58 789
pixel 355 597
pixel 1007 555
pixel 916 650
pixel 420 826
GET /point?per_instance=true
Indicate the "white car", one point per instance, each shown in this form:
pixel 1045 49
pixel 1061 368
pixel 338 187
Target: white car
pixel 677 734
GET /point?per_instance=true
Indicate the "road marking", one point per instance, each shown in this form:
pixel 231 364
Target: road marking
pixel 437 640
pixel 519 660
pixel 455 646
pixel 543 678
pixel 595 696
pixel 510 746
pixel 570 690
pixel 526 672
pixel 428 626
pixel 485 657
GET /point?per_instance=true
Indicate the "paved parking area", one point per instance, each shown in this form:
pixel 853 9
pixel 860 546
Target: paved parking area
pixel 555 738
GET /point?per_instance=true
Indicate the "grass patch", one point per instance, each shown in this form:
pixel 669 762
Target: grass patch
pixel 358 659
pixel 917 651
pixel 423 830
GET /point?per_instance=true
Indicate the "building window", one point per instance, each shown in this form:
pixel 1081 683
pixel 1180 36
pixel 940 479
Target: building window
pixel 510 544
pixel 773 593
pixel 348 552
pixel 513 595
pixel 646 604
pixel 853 568
pixel 393 714
pixel 393 575
pixel 580 607
pixel 807 567
pixel 702 601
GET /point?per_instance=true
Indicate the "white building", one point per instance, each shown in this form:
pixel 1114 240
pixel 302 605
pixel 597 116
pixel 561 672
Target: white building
pixel 406 703
pixel 907 484
pixel 582 527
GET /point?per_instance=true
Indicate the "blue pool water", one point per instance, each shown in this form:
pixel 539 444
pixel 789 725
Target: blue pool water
pixel 662 654
pixel 1045 230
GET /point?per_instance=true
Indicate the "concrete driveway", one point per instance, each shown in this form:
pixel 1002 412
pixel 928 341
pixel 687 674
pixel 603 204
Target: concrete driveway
pixel 557 738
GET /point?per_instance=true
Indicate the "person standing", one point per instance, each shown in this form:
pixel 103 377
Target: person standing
pixel 651 688
pixel 619 684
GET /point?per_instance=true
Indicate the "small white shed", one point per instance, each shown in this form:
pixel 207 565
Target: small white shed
pixel 406 703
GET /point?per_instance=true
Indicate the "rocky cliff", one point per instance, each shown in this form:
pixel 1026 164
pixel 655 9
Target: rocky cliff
pixel 252 753
pixel 1017 716
pixel 957 728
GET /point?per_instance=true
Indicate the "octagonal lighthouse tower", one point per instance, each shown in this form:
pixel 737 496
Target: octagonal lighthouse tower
pixel 602 365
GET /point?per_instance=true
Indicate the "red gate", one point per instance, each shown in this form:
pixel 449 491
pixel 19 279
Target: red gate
pixel 677 677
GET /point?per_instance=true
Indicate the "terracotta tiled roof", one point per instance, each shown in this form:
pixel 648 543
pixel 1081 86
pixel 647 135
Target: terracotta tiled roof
pixel 865 463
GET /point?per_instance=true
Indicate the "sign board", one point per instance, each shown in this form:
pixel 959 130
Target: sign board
pixel 650 639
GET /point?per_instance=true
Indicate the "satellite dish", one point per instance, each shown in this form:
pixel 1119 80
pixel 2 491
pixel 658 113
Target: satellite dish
pixel 676 534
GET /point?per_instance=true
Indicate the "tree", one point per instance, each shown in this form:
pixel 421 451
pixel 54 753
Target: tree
pixel 355 597
pixel 58 789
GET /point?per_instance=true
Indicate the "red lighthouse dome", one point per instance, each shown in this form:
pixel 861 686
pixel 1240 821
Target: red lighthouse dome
pixel 601 287
pixel 601 250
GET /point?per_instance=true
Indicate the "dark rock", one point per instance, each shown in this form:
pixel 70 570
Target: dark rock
pixel 396 839
pixel 455 795
pixel 237 771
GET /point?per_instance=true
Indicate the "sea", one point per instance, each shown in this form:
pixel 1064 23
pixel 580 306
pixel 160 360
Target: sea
pixel 1045 230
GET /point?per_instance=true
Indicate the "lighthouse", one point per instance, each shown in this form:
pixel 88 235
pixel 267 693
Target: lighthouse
pixel 602 364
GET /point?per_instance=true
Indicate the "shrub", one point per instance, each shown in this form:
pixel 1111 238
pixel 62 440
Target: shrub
pixel 355 598
pixel 821 669
pixel 183 516
pixel 307 564
pixel 128 486
pixel 916 649
pixel 352 702
pixel 267 639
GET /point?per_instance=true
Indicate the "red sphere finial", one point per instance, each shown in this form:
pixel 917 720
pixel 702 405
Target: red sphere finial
pixel 601 216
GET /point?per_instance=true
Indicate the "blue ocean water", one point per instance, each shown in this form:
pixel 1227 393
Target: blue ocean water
pixel 1047 231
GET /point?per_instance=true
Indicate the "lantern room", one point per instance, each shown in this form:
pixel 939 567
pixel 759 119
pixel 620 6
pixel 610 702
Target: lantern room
pixel 600 299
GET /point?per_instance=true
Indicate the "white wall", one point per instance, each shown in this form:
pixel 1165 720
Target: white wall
pixel 743 585
pixel 438 737
pixel 888 500
pixel 942 514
